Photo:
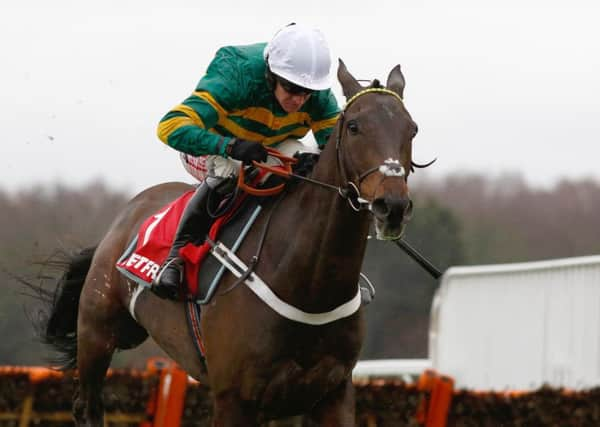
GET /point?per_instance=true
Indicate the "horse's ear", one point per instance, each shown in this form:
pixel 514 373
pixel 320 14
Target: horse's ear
pixel 395 81
pixel 349 84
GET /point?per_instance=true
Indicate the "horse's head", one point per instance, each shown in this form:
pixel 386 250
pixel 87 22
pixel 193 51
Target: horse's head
pixel 374 144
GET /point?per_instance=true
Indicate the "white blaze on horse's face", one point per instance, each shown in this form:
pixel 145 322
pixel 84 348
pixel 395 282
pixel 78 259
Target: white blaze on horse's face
pixel 392 167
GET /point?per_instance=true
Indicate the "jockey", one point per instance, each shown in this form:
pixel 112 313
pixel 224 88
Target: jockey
pixel 251 96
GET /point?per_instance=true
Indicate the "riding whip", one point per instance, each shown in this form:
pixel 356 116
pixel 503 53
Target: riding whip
pixel 419 259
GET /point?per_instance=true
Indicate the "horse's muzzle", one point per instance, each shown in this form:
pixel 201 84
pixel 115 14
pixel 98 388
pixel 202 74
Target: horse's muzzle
pixel 391 215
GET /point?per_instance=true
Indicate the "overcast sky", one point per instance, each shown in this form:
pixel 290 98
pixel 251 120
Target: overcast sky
pixel 494 86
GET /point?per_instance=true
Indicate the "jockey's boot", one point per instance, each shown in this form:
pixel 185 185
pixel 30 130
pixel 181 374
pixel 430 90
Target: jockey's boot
pixel 193 226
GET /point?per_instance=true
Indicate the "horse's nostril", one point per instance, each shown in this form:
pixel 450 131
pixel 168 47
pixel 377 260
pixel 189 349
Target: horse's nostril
pixel 392 209
pixel 380 208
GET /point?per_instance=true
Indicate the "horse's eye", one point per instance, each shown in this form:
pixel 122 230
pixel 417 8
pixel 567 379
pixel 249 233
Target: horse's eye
pixel 353 127
pixel 416 131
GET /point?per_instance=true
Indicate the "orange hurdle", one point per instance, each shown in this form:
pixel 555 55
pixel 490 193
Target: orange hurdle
pixel 165 408
pixel 434 413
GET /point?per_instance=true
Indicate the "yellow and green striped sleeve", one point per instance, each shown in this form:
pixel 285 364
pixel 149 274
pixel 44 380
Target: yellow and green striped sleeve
pixel 186 128
pixel 193 126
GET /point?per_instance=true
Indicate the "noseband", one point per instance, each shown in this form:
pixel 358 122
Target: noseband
pixel 390 167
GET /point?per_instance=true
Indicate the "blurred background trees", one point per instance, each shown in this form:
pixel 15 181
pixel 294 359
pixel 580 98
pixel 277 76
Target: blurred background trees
pixel 459 220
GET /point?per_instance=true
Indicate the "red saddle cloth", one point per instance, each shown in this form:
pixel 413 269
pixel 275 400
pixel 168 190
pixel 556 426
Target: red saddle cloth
pixel 154 240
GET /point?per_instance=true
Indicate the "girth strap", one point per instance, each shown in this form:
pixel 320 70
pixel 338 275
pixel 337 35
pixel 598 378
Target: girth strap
pixel 262 290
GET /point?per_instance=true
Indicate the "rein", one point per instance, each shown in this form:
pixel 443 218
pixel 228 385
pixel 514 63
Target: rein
pixel 350 191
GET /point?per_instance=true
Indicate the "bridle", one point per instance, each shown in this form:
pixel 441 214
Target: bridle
pixel 349 191
pixel 390 167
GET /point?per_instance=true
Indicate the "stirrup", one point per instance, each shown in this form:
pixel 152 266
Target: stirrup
pixel 367 290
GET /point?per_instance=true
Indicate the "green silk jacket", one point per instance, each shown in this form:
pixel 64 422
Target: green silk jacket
pixel 233 99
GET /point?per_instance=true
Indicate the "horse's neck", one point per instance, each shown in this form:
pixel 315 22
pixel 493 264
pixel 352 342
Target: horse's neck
pixel 330 237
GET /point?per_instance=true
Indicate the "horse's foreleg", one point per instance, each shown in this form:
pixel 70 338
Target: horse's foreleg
pixel 230 411
pixel 337 409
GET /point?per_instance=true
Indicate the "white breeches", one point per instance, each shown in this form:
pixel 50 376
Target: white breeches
pixel 217 166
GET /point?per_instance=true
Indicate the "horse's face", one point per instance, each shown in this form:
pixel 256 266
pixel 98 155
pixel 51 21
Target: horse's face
pixel 375 136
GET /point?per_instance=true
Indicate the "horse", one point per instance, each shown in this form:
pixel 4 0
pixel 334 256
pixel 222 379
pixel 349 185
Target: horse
pixel 258 364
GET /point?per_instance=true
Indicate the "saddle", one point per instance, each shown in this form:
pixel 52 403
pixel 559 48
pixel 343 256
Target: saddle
pixel 145 254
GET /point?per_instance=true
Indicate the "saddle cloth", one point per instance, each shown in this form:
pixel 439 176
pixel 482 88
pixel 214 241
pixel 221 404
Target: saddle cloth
pixel 142 259
pixel 148 250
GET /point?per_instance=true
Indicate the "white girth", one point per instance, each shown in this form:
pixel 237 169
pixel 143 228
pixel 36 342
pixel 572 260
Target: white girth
pixel 260 288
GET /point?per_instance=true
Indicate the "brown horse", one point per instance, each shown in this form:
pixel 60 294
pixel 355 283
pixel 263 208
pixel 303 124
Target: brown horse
pixel 259 365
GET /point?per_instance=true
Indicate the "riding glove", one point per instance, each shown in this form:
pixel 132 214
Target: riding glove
pixel 246 151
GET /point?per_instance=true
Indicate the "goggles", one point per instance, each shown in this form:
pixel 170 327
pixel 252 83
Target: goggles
pixel 292 88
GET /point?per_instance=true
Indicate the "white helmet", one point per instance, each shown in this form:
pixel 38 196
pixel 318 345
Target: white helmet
pixel 300 55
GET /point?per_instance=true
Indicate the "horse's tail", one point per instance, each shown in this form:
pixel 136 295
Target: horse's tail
pixel 57 327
